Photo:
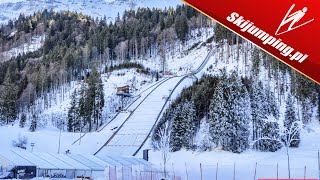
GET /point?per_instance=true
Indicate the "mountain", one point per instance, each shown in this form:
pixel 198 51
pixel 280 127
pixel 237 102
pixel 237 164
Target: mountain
pixel 95 8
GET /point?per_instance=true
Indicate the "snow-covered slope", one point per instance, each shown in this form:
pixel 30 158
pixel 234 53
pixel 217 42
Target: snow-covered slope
pixel 96 8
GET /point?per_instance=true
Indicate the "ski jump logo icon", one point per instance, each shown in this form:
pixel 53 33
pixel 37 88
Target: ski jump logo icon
pixel 293 18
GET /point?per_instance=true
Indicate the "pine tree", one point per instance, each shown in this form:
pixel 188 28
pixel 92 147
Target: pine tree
pixel 8 103
pixel 204 139
pixel 229 115
pixel 181 27
pixel 34 122
pixel 188 113
pixel 183 126
pixel 306 111
pixel 290 118
pixel 73 113
pixel 84 108
pixel 240 115
pixel 272 108
pixel 99 100
pixel 8 95
pixel 178 127
pixel 258 110
pixel 256 62
pixel 217 113
pixel 270 130
pixel 23 120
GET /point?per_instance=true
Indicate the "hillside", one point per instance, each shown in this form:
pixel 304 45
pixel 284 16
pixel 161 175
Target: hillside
pixel 95 8
pixel 197 93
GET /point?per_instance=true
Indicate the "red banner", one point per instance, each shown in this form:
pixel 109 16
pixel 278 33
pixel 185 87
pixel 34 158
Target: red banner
pixel 287 29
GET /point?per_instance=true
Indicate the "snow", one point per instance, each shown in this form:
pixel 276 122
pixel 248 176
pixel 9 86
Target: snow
pixel 305 155
pixel 94 8
pixel 135 129
pixel 55 161
pixel 14 158
pixel 41 163
pixel 87 162
pixel 32 46
pixel 74 163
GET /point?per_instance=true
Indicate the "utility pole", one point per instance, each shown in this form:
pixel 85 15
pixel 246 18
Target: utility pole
pixel 61 123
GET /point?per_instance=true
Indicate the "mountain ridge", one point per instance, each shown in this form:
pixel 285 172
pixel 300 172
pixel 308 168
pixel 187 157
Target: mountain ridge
pixel 94 8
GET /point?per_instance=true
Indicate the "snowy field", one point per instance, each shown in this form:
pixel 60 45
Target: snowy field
pixel 306 156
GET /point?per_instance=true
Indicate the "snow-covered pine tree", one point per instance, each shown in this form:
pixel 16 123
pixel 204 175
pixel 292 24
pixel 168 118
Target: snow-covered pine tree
pixel 189 116
pixel 8 102
pixel 307 111
pixel 217 113
pixel 204 140
pixel 178 129
pixel 229 115
pixel 99 101
pixel 84 111
pixel 23 120
pixel 239 115
pixel 258 111
pixel 272 108
pixel 290 118
pixel 255 62
pixel 183 126
pixel 34 122
pixel 270 130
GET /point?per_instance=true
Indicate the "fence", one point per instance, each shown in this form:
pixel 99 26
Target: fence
pixel 133 173
pixel 248 172
pixel 303 165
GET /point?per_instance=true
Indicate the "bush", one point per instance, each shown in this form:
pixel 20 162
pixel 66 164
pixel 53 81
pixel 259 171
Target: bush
pixel 21 142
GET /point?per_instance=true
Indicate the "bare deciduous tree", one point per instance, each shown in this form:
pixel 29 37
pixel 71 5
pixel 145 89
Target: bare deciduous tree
pixel 163 145
pixel 287 136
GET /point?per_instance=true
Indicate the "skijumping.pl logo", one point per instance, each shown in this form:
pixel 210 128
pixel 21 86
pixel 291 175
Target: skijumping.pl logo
pixel 267 39
pixel 293 18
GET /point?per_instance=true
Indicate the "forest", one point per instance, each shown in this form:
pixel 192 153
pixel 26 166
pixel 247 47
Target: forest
pixel 75 44
pixel 235 112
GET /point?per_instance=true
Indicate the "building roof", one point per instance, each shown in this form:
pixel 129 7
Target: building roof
pixel 14 159
pixel 66 162
pixel 87 162
pixel 55 161
pixel 40 163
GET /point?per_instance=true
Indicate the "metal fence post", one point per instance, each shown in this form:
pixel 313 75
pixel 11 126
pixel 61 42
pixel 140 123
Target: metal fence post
pixel 174 174
pixel 186 171
pixel 234 171
pixel 200 171
pixel 109 173
pixel 255 172
pixel 318 165
pixel 277 171
pixel 122 172
pixel 136 175
pixel 217 171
